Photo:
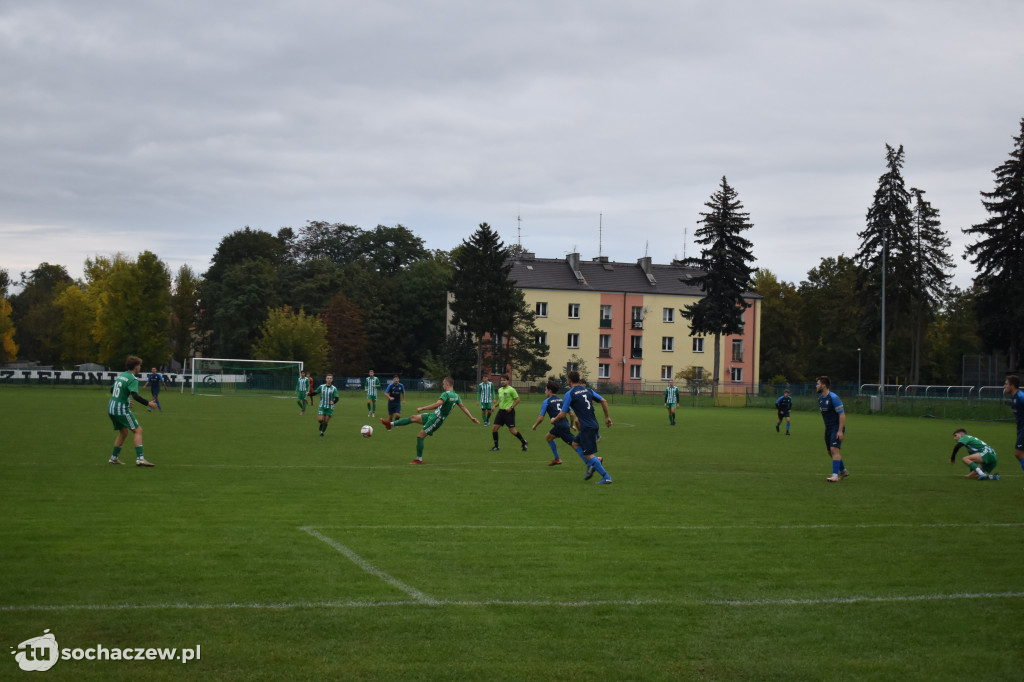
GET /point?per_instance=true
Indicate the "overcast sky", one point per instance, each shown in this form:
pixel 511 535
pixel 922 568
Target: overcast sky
pixel 130 125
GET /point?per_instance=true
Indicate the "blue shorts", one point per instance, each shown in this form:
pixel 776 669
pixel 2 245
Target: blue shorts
pixel 587 439
pixel 562 431
pixel 832 439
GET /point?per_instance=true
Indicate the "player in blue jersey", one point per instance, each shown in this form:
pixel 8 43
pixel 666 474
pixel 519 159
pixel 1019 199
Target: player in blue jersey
pixel 784 404
pixel 395 392
pixel 153 380
pixel 835 426
pixel 550 408
pixel 580 400
pixel 1012 388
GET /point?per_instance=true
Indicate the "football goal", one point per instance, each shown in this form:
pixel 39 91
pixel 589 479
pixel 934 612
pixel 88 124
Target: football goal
pixel 224 376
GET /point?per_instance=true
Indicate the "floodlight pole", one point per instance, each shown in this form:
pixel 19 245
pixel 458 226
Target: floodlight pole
pixel 881 364
pixel 858 372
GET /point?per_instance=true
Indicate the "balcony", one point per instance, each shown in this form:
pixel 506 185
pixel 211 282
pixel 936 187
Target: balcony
pixel 606 324
pixel 638 324
pixel 604 352
pixel 636 353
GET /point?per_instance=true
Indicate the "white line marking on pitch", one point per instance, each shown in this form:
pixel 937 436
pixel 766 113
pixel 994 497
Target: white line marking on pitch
pixel 815 526
pixel 370 568
pixel 826 601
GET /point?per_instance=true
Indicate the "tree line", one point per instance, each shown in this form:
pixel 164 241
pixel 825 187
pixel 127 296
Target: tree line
pixel 337 297
pixel 345 299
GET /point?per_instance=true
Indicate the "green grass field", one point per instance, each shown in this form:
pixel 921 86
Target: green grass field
pixel 719 552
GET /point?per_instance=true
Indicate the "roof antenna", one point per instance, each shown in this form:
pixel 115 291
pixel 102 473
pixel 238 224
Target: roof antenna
pixel 519 231
pixel 600 233
pixel 684 243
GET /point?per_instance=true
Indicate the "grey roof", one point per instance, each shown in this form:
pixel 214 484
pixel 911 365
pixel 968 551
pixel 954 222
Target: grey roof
pixel 604 276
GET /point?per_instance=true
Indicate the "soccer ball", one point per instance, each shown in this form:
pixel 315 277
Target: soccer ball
pixel 367 431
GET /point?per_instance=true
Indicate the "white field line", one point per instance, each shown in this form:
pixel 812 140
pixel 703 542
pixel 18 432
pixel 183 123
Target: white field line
pixel 533 465
pixel 810 526
pixel 370 568
pixel 542 603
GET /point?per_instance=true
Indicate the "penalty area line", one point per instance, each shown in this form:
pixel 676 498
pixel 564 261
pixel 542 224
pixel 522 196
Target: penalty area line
pixel 362 563
pixel 542 603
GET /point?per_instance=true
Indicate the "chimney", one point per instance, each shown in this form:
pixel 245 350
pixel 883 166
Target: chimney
pixel 645 265
pixel 573 259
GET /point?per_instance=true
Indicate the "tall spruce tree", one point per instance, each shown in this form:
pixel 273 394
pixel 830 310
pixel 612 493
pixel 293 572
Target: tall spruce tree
pixel 998 256
pixel 887 251
pixel 485 300
pixel 932 276
pixel 726 271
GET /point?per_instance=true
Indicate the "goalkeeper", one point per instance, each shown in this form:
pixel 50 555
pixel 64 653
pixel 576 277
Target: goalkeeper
pixel 981 458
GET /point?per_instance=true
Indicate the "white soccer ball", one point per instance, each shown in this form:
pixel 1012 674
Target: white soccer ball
pixel 367 431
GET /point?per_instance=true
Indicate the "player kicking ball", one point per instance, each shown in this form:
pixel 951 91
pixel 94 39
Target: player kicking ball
pixel 981 458
pixel 432 422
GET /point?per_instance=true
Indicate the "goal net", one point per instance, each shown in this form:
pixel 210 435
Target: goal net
pixel 224 376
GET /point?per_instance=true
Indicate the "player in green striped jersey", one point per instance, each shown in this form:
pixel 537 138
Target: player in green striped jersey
pixel 671 400
pixel 119 409
pixel 372 384
pixel 328 398
pixel 981 458
pixel 302 391
pixel 432 422
pixel 485 399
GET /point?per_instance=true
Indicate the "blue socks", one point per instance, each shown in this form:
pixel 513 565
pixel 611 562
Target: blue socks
pixel 837 466
pixel 554 448
pixel 598 467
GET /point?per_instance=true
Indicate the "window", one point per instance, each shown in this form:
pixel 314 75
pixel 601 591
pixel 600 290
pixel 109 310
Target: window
pixel 606 316
pixel 604 341
pixel 604 371
pixel 573 341
pixel 636 347
pixel 699 374
pixel 634 371
pixel 668 343
pixel 574 311
pixel 542 309
pixel 698 344
pixel 572 367
pixel 666 373
pixel 668 314
pixel 541 339
pixel 737 350
pixel 737 373
pixel 638 317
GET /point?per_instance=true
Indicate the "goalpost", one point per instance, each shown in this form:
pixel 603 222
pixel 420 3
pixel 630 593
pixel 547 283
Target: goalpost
pixel 232 376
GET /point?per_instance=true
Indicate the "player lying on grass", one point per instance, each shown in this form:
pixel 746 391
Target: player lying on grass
pixel 981 458
pixel 432 422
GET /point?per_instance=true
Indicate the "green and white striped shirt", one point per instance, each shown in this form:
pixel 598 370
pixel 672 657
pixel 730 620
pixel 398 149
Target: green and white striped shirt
pixel 120 398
